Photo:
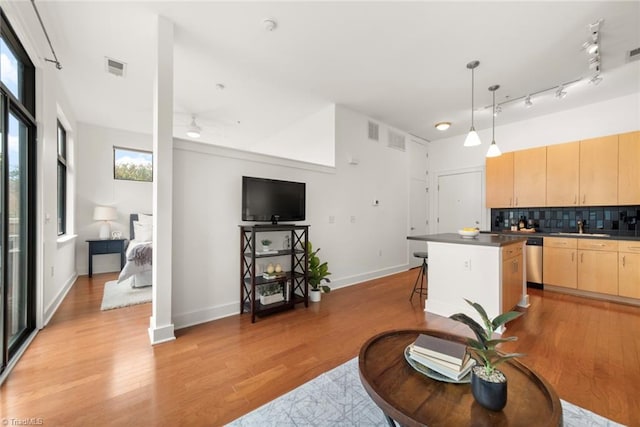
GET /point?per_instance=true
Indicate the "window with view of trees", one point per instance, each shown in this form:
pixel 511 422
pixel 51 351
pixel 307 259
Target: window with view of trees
pixel 62 180
pixel 132 165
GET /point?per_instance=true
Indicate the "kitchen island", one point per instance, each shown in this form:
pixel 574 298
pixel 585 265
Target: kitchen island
pixel 487 269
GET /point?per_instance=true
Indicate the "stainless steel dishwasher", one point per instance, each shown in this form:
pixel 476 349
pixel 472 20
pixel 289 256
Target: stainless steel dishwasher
pixel 534 262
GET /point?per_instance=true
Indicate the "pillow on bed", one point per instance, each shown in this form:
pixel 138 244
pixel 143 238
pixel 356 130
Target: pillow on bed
pixel 143 232
pixel 145 219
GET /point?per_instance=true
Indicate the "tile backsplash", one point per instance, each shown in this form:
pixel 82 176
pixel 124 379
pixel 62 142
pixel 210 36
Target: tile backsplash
pixel 614 220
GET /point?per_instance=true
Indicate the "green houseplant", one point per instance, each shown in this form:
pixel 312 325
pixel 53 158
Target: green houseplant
pixel 488 384
pixel 318 273
pixel 265 244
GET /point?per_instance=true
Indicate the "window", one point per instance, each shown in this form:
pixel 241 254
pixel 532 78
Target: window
pixel 17 194
pixel 133 165
pixel 62 180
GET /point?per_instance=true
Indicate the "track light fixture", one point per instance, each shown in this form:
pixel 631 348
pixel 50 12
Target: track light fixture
pixel 595 80
pixel 561 93
pixel 527 102
pixel 494 151
pixel 472 138
pixel 193 131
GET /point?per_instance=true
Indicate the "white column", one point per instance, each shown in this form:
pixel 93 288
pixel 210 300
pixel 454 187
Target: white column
pixel 160 324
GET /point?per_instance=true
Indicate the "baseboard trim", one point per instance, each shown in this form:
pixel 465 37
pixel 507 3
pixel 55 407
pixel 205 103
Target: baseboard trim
pixel 592 295
pixel 55 304
pixel 159 335
pixel 206 315
pixel 225 310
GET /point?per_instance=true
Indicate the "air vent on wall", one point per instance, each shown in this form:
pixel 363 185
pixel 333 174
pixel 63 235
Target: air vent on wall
pixel 117 68
pixel 634 54
pixel 396 140
pixel 374 131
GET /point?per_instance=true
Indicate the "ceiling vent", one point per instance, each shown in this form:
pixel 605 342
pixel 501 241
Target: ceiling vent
pixel 115 67
pixel 634 55
pixel 374 131
pixel 397 140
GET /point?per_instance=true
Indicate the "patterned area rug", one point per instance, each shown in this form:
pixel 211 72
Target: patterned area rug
pixel 117 295
pixel 337 398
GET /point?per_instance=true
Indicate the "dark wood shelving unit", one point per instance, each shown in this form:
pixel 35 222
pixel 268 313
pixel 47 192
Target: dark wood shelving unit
pixel 296 292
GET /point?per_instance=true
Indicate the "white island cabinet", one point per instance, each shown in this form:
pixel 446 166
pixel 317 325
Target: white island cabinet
pixel 487 269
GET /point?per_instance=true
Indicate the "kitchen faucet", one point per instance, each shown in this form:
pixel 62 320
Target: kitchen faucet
pixel 580 226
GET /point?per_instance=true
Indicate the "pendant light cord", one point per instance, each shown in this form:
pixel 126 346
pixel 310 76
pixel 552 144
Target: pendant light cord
pixel 472 84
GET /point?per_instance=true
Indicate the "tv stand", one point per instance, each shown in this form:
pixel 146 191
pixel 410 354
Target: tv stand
pixel 294 283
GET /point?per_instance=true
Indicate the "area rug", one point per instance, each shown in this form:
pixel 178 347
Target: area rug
pixel 117 295
pixel 337 398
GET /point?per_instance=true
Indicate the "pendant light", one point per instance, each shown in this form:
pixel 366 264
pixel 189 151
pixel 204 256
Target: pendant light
pixel 494 151
pixel 472 138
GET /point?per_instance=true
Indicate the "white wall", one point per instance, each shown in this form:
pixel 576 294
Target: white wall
pixel 310 139
pixel 96 186
pixel 207 207
pixel 618 115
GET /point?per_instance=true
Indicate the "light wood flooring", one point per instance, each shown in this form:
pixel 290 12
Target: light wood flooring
pixel 89 367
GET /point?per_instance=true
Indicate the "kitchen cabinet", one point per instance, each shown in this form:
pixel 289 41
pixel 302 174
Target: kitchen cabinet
pixel 559 262
pixel 629 173
pixel 512 276
pixel 629 269
pixel 598 266
pixel 499 181
pixel 530 177
pixel 563 174
pixel 599 171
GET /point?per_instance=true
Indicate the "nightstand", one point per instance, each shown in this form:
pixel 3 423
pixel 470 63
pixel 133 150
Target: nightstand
pixel 106 246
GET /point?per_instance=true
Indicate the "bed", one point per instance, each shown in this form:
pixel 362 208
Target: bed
pixel 137 270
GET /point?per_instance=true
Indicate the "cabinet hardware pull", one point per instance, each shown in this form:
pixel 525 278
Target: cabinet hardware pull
pixel 623 260
pixel 510 200
pixel 581 258
pixel 634 247
pixel 572 256
pixel 584 198
pixel 575 199
pixel 516 201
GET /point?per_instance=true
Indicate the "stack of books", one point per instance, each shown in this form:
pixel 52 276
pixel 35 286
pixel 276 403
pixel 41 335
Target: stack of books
pixel 271 276
pixel 448 358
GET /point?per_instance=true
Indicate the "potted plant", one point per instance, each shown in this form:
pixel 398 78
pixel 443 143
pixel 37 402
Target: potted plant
pixel 488 384
pixel 265 244
pixel 271 293
pixel 318 273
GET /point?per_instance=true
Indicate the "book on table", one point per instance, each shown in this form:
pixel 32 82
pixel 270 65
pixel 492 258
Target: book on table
pixel 438 366
pixel 440 348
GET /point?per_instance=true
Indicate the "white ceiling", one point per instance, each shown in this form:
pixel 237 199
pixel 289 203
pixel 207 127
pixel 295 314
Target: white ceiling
pixel 400 63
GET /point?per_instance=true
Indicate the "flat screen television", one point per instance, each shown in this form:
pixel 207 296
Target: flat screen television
pixel 272 200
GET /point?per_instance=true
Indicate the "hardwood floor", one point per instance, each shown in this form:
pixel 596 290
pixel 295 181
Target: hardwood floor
pixel 89 367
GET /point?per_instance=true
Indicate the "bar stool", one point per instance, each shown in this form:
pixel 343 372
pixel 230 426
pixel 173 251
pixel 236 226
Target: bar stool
pixel 422 276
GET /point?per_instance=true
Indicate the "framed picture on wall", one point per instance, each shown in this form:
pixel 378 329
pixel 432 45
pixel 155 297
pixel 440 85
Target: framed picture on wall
pixel 131 164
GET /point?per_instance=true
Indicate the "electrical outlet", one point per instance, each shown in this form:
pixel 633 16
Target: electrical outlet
pixel 332 219
pixel 375 202
pixel 467 264
pixel 353 219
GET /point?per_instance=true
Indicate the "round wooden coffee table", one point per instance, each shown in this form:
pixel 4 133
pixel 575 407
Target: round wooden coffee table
pixel 413 399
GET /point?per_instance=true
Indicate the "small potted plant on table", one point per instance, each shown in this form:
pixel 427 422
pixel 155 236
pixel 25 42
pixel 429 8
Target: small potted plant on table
pixel 318 273
pixel 265 244
pixel 488 384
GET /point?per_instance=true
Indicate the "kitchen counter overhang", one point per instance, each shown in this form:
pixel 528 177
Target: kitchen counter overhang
pixel 481 239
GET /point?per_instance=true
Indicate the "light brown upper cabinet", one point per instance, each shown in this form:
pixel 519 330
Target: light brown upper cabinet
pixel 563 174
pixel 629 171
pixel 529 177
pixel 599 171
pixel 499 179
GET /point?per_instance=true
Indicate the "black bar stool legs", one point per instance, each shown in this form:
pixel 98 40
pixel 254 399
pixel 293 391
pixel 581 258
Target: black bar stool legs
pixel 422 276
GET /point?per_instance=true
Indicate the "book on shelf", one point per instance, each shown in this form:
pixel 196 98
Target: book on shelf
pixel 436 365
pixel 440 348
pixel 269 252
pixel 274 275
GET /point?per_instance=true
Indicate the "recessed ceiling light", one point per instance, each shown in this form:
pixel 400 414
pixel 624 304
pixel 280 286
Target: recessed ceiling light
pixel 443 125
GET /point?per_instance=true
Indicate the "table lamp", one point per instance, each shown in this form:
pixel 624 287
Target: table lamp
pixel 105 214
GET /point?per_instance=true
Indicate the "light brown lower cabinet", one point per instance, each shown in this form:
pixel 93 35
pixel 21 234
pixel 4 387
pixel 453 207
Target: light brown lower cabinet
pixel 512 276
pixel 598 266
pixel 629 269
pixel 559 263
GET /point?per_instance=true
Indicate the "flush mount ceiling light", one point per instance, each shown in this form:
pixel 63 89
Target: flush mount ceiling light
pixel 443 126
pixel 494 151
pixel 561 93
pixel 527 102
pixel 472 138
pixel 193 131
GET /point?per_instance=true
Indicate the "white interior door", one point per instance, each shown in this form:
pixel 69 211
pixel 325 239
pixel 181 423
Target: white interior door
pixel 459 201
pixel 418 199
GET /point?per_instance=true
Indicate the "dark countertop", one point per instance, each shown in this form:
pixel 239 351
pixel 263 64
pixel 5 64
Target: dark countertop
pixel 482 239
pixel 555 234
